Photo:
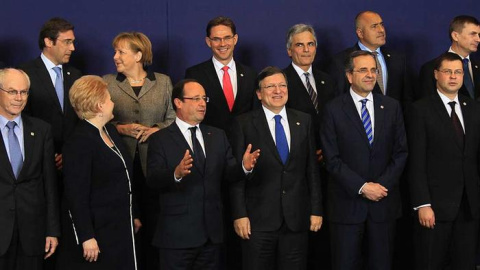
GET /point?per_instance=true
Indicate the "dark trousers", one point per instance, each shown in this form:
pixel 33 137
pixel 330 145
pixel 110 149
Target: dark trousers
pixel 282 249
pixel 16 259
pixel 206 257
pixel 449 245
pixel 367 245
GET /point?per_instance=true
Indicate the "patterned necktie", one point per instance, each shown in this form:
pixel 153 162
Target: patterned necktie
pixel 16 159
pixel 281 139
pixel 227 88
pixel 311 92
pixel 456 123
pixel 59 85
pixel 380 73
pixel 367 123
pixel 198 155
pixel 467 79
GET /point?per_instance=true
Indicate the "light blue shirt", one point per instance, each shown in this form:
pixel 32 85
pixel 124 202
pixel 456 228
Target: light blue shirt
pixel 382 62
pixel 18 130
pixel 50 65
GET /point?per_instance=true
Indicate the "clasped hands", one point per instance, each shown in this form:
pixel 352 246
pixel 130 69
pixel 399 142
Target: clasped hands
pixel 137 131
pixel 183 168
pixel 374 191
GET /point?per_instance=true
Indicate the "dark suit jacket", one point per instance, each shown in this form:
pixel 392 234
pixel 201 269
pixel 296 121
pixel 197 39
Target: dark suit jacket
pixel 31 201
pixel 299 99
pixel 351 161
pixel 43 102
pixel 398 82
pixel 274 192
pixel 427 84
pixel 191 211
pixel 218 114
pixel 440 170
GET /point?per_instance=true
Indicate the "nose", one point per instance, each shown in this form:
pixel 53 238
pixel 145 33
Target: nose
pixel 115 56
pixel 72 47
pixel 306 48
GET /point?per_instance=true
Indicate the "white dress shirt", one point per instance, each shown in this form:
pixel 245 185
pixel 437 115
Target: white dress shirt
pixel 301 72
pixel 232 71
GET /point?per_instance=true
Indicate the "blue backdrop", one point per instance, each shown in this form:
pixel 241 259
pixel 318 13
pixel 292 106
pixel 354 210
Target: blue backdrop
pixel 177 28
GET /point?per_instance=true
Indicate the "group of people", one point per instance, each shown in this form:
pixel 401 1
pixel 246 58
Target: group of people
pixel 233 170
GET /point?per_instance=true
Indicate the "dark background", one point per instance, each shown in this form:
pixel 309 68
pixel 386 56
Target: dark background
pixel 177 28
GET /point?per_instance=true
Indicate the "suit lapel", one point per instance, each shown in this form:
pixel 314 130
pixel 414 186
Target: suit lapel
pixel 124 85
pixel 387 57
pixel 295 126
pixel 467 119
pixel 352 113
pixel 179 139
pixel 29 137
pixel 442 113
pixel 216 93
pixel 4 159
pixel 241 92
pixel 476 76
pixel 260 123
pixel 147 86
pixel 208 143
pixel 46 80
pixel 379 112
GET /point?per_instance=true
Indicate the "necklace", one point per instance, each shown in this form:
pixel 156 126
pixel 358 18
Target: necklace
pixel 136 81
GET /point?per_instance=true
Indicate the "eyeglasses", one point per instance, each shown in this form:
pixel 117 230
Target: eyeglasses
pixel 218 40
pixel 197 99
pixel 271 87
pixel 14 93
pixel 67 42
pixel 449 72
pixel 364 71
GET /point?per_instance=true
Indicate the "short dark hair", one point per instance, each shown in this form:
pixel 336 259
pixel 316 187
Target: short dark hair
pixel 267 72
pixel 349 61
pixel 458 23
pixel 178 90
pixel 51 29
pixel 221 20
pixel 448 56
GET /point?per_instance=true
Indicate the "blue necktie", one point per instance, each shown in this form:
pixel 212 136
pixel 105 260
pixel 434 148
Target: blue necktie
pixel 16 159
pixel 59 85
pixel 311 92
pixel 367 123
pixel 281 139
pixel 467 79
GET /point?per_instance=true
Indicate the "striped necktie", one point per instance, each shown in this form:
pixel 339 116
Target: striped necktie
pixel 311 92
pixel 367 123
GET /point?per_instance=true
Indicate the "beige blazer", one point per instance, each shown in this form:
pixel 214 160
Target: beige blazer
pixel 152 107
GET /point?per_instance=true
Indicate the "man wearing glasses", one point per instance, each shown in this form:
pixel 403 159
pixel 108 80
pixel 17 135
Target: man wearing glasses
pixel 464 32
pixel 392 79
pixel 365 150
pixel 229 84
pixel 280 199
pixel 29 211
pixel 443 172
pixel 187 163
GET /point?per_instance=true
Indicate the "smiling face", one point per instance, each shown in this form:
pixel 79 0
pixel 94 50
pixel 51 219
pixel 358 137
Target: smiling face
pixel 222 41
pixel 60 50
pixel 303 50
pixel 125 59
pixel 273 92
pixel 371 31
pixel 11 106
pixel 449 84
pixel 363 83
pixel 189 110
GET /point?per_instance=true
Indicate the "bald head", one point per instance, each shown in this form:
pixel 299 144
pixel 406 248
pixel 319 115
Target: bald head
pixel 14 85
pixel 370 29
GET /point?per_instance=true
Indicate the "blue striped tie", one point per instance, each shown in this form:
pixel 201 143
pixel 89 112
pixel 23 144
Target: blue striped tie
pixel 59 85
pixel 367 123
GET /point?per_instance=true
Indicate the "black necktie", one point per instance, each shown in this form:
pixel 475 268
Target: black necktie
pixel 198 155
pixel 311 92
pixel 456 123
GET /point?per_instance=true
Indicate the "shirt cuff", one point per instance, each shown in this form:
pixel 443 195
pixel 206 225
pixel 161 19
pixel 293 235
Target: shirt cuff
pixel 245 170
pixel 421 206
pixel 177 179
pixel 360 191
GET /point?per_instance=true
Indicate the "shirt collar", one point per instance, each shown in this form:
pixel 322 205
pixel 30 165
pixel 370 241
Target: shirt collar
pixel 269 114
pixel 300 71
pixel 4 121
pixel 356 97
pixel 446 100
pixel 49 64
pixel 452 51
pixel 364 48
pixel 184 126
pixel 219 66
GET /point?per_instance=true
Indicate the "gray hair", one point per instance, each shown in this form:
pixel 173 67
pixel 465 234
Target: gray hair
pixel 297 29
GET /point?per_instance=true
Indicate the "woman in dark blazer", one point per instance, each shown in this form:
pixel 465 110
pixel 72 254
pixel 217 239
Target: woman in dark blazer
pixel 97 176
pixel 142 106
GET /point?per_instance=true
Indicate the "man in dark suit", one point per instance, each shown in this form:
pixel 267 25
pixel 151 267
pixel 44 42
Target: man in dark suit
pixel 231 92
pixel 464 33
pixel 365 148
pixel 188 162
pixel 279 201
pixel 444 142
pixel 29 214
pixel 393 79
pixel 51 78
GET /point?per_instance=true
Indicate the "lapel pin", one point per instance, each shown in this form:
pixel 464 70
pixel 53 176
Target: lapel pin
pixel 464 104
pixel 388 55
pixel 32 134
pixel 68 72
pixel 381 107
pixel 322 82
pixel 241 74
pixel 298 123
pixel 476 66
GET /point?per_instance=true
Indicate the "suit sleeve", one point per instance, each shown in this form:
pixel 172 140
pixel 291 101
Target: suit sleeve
pixel 313 174
pixel 426 82
pixel 348 179
pixel 417 162
pixel 50 186
pixel 392 173
pixel 237 189
pixel 170 115
pixel 77 167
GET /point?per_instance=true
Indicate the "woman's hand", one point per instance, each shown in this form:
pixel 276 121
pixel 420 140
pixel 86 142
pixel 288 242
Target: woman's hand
pixel 132 130
pixel 90 250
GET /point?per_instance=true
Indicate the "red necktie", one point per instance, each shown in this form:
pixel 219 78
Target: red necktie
pixel 227 88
